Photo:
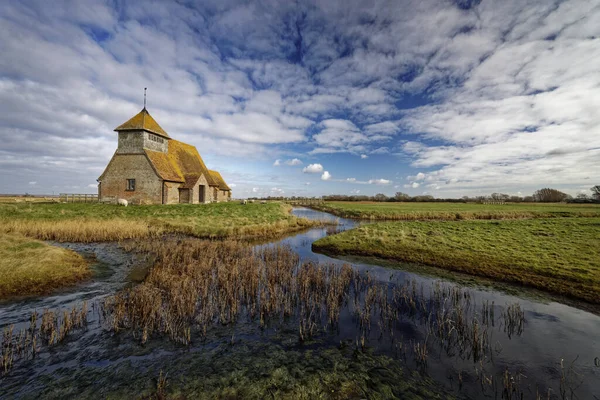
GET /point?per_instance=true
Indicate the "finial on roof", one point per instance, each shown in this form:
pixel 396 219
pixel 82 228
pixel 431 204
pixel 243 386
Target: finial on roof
pixel 145 98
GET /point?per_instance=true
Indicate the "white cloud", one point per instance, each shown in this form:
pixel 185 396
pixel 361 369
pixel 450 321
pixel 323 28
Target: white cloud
pixel 351 179
pixel 326 176
pixel 355 191
pixel 379 181
pixel 33 183
pixel 363 156
pixel 313 169
pixel 255 190
pixel 306 183
pixel 91 185
pixel 277 163
pixel 340 135
pixel 293 162
pixel 232 185
pixel 512 85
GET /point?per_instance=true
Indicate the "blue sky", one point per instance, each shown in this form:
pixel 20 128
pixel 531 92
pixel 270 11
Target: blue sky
pixel 448 98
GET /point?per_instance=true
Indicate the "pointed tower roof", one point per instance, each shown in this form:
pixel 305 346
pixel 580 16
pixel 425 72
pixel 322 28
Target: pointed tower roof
pixel 143 121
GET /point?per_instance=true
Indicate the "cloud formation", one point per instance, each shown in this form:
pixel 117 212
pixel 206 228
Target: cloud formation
pixel 313 169
pixel 462 96
pixel 293 162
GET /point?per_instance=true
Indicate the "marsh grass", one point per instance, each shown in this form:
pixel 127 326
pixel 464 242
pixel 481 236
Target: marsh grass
pixel 105 222
pixel 31 267
pixel 51 329
pixel 196 285
pixel 454 211
pixel 560 255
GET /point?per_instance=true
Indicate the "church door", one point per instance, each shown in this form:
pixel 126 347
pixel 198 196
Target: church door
pixel 202 193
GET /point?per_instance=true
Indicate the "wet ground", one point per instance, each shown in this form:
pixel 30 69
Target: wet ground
pixel 95 363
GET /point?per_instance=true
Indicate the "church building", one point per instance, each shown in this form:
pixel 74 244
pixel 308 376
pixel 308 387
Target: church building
pixel 149 167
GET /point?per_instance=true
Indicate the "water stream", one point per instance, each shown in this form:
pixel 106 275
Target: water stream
pixel 95 362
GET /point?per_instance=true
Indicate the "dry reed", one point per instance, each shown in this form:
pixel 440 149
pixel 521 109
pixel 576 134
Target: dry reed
pixel 82 230
pixel 53 328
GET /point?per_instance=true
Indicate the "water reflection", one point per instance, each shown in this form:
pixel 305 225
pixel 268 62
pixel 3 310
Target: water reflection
pixel 553 331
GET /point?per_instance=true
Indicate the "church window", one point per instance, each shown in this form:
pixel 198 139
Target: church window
pixel 156 138
pixel 130 184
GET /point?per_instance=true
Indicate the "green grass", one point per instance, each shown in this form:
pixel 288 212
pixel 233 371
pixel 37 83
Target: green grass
pixel 104 222
pixel 559 255
pixel 455 211
pixel 32 267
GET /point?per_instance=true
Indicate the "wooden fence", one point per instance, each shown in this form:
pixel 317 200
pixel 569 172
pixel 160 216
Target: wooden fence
pixel 78 198
pixel 304 202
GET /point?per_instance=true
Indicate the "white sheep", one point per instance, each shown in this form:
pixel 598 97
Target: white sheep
pixel 243 202
pixel 122 202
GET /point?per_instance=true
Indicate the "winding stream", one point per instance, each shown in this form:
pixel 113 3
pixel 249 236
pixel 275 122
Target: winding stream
pixel 94 362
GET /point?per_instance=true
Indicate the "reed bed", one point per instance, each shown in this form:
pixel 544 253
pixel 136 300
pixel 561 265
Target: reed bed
pixel 102 222
pixel 196 285
pixel 86 230
pixel 48 329
pixel 82 230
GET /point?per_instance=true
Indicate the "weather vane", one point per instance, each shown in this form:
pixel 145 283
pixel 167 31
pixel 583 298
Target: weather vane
pixel 145 97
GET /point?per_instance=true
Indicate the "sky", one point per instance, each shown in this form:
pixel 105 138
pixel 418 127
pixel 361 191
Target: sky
pixel 308 98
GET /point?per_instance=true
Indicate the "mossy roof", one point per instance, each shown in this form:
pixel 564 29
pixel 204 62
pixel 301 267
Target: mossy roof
pixel 143 121
pixel 219 180
pixel 182 163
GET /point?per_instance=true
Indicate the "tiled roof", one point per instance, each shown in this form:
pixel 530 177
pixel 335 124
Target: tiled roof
pixel 164 166
pixel 142 121
pixel 219 180
pixel 182 163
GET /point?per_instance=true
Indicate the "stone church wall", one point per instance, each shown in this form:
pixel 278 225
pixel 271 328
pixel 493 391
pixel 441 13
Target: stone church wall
pixel 148 186
pixel 172 192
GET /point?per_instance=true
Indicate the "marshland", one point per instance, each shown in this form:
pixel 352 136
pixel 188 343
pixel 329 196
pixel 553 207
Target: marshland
pixel 180 312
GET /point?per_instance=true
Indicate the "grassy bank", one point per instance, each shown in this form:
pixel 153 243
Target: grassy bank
pixel 559 255
pixel 105 222
pixel 454 211
pixel 33 267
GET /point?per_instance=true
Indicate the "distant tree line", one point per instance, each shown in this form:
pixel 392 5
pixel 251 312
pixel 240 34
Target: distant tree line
pixel 545 195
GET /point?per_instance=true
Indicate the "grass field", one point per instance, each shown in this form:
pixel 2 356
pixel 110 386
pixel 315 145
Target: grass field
pixel 455 211
pixel 32 267
pixel 104 222
pixel 559 255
